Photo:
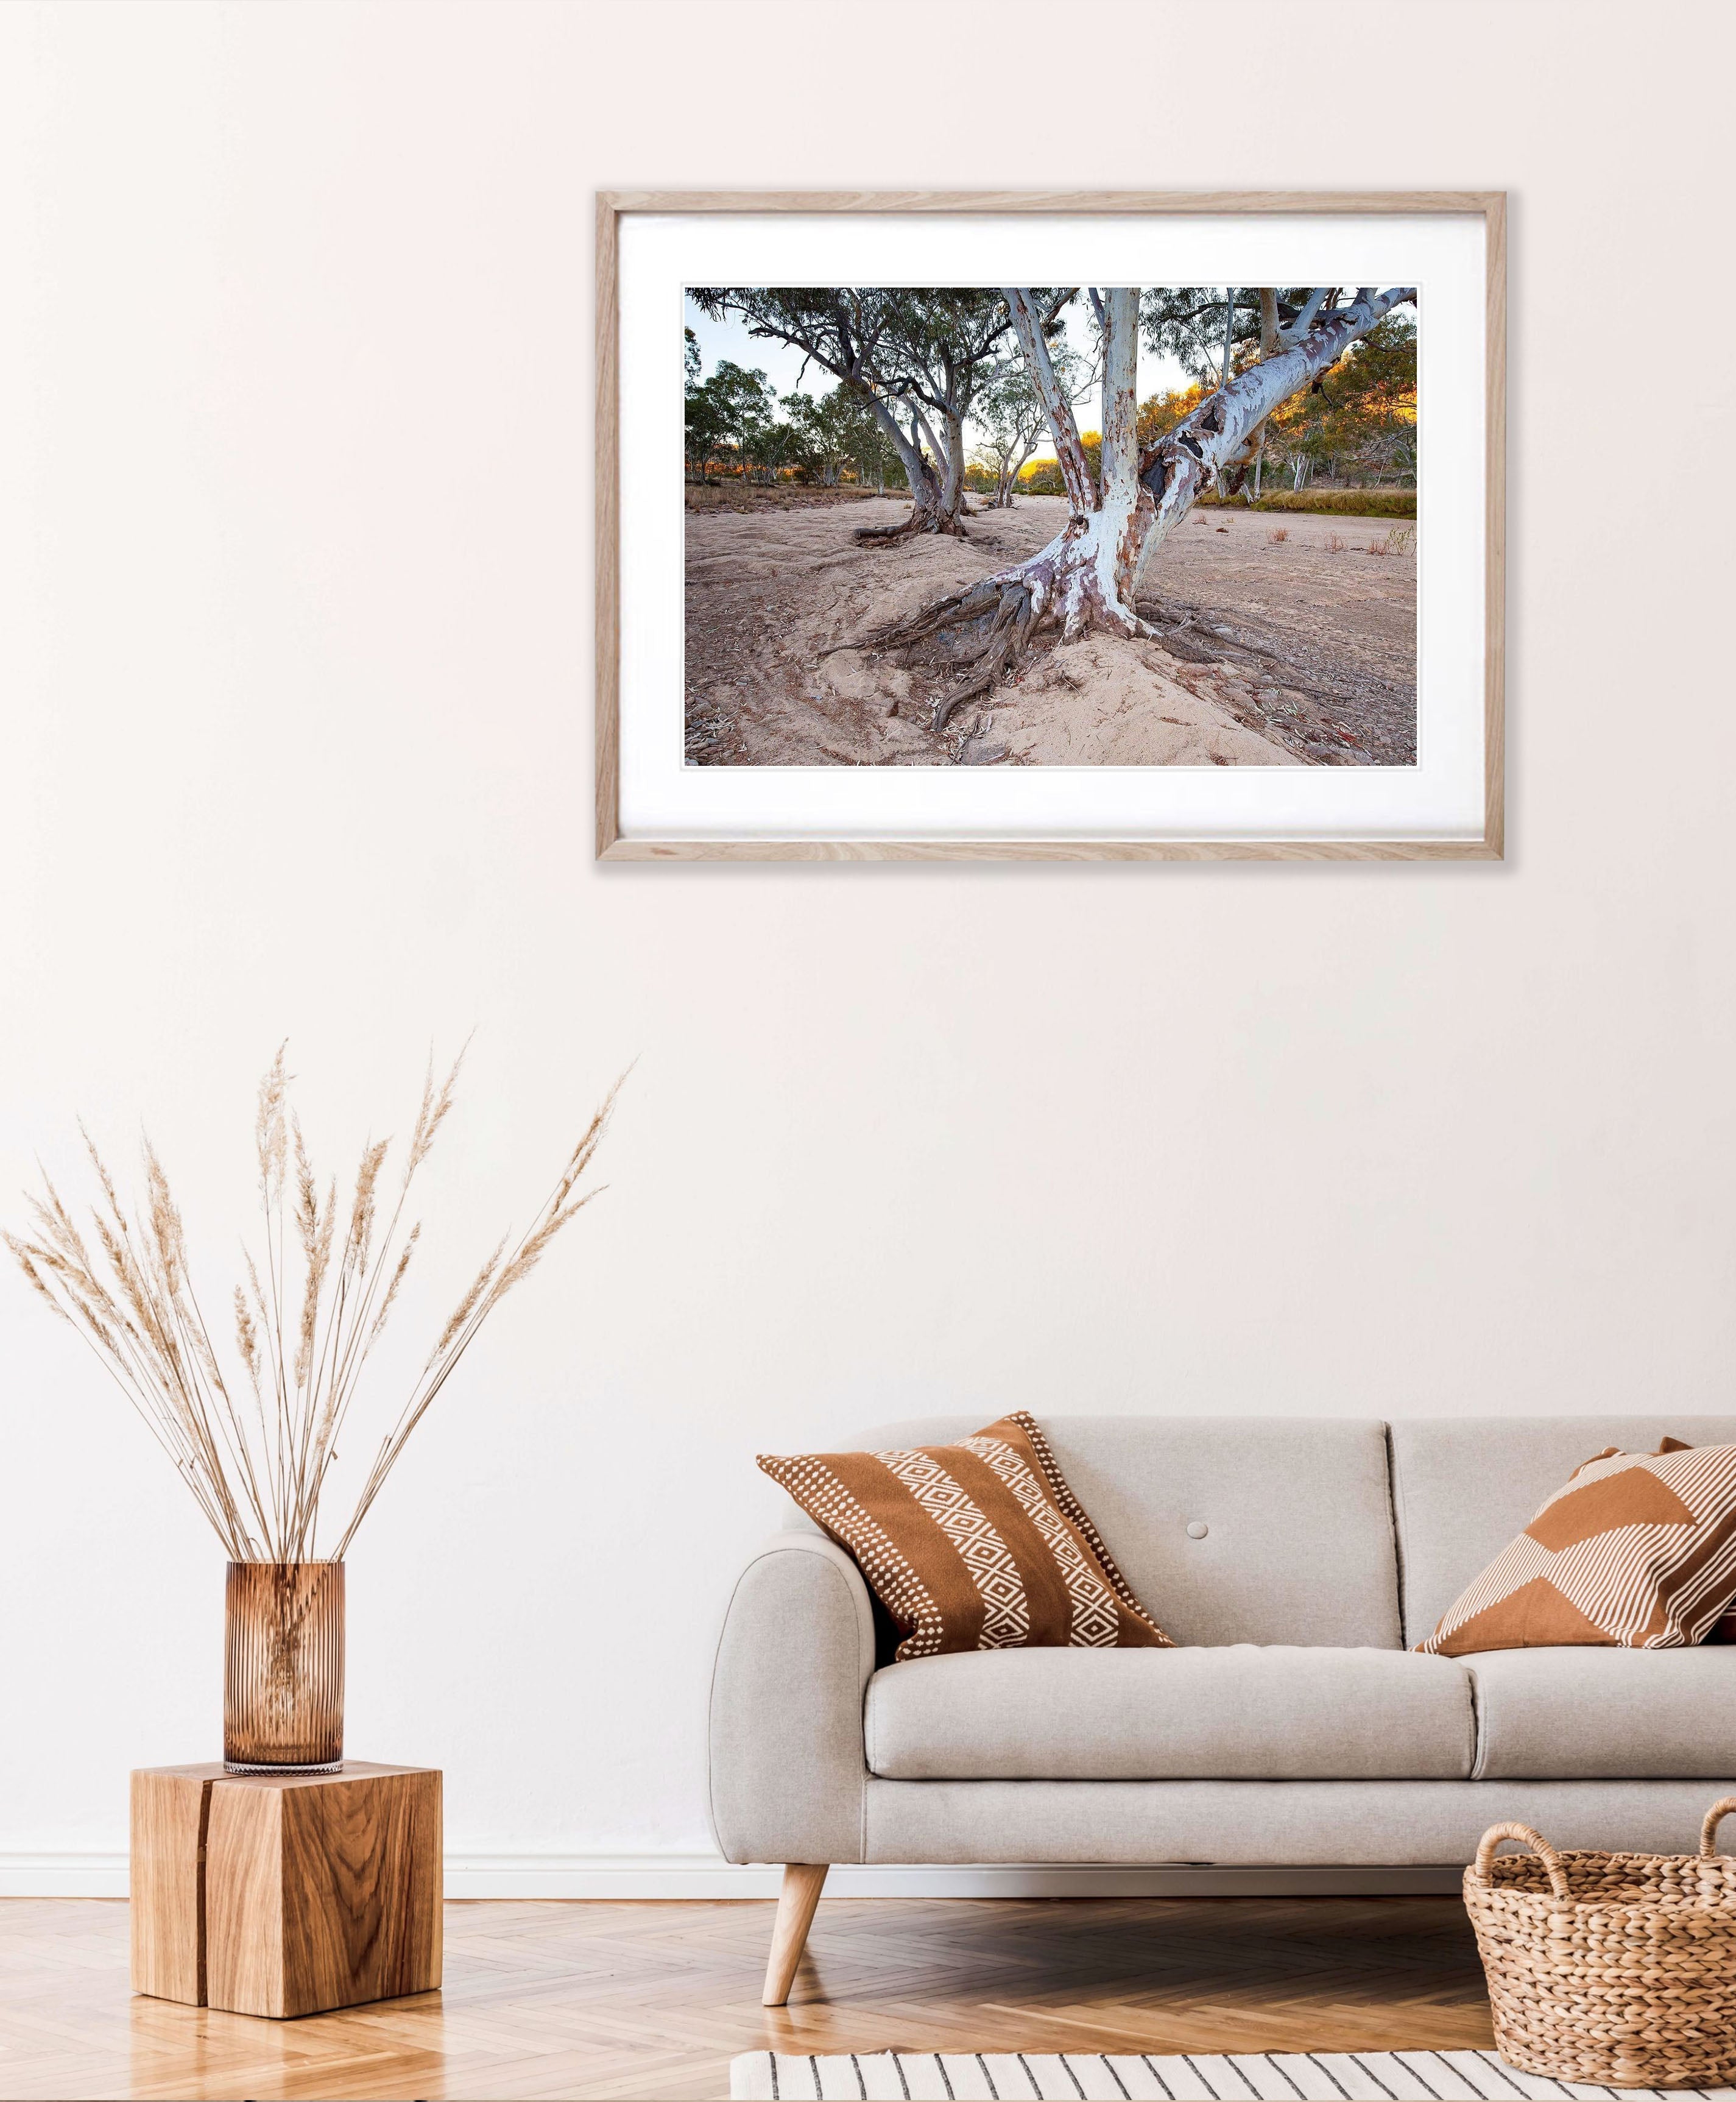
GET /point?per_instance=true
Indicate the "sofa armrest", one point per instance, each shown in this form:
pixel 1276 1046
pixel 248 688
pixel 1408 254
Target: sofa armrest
pixel 788 1773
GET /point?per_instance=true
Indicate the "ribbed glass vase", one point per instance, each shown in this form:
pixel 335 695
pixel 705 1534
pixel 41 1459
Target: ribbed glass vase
pixel 283 1668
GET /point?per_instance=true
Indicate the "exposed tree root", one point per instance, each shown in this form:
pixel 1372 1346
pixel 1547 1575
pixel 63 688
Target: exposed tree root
pixel 973 603
pixel 1071 583
pixel 1008 605
pixel 920 520
pixel 1014 619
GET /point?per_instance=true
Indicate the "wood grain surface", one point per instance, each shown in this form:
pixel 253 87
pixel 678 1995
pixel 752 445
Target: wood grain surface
pixel 285 1895
pixel 653 1999
pixel 323 1890
pixel 170 1808
pixel 803 1884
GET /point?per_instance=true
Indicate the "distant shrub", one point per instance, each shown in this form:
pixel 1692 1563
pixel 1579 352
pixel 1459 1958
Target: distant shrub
pixel 1042 479
pixel 1338 503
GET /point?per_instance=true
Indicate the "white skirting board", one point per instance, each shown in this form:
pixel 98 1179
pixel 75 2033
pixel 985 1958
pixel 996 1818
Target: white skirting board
pixel 704 1876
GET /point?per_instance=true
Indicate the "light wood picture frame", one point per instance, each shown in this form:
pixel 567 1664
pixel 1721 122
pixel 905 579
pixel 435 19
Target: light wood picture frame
pixel 618 841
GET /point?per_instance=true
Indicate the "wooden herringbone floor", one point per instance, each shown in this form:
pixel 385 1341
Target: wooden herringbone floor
pixel 652 2000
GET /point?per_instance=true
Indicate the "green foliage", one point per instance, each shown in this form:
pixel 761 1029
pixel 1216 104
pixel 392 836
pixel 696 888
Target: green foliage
pixel 1009 412
pixel 933 345
pixel 828 435
pixel 734 405
pixel 1186 322
pixel 735 420
pixel 1360 420
pixel 1043 478
pixel 1345 503
pixel 1159 413
pixel 946 350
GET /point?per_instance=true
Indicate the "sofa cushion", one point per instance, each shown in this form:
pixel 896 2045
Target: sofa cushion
pixel 1251 1824
pixel 1604 1714
pixel 1235 1528
pixel 975 1544
pixel 1636 1551
pixel 1463 1486
pixel 1172 1714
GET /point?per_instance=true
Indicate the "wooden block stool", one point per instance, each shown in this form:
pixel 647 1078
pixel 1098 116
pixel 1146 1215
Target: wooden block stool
pixel 285 1894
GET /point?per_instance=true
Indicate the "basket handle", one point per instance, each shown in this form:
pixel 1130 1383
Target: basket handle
pixel 1540 1847
pixel 1709 1830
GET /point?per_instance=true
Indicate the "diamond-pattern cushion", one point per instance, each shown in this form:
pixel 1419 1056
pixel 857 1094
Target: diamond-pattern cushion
pixel 978 1545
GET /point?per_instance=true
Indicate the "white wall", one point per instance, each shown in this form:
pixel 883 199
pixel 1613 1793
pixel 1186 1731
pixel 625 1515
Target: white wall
pixel 295 382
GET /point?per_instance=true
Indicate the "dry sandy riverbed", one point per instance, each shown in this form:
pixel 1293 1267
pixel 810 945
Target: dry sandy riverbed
pixel 1299 651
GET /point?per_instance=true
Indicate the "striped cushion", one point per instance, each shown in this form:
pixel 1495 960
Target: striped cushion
pixel 1723 1630
pixel 1638 1551
pixel 976 1545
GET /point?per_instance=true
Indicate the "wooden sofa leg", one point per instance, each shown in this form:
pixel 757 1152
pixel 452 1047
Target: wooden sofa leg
pixel 803 1884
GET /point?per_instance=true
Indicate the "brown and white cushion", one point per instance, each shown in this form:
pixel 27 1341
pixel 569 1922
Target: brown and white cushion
pixel 1723 1630
pixel 1637 1551
pixel 976 1545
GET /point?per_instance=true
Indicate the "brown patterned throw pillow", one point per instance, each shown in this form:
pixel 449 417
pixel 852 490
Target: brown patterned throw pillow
pixel 1638 1551
pixel 1723 1630
pixel 976 1545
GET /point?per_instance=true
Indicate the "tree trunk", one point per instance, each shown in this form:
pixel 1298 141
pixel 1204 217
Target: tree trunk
pixel 1089 574
pixel 1075 470
pixel 928 513
pixel 1229 328
pixel 952 484
pixel 1271 342
pixel 1026 445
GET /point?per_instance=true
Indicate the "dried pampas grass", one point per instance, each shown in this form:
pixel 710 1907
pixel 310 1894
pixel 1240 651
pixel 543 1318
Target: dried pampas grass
pixel 255 1452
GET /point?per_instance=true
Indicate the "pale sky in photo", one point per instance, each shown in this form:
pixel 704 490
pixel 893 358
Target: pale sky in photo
pixel 729 339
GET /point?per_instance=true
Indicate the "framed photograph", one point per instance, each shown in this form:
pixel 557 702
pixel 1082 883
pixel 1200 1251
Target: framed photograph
pixel 938 526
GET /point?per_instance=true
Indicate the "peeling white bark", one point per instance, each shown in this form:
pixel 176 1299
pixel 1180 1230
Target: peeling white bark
pixel 1074 471
pixel 1304 320
pixel 1270 344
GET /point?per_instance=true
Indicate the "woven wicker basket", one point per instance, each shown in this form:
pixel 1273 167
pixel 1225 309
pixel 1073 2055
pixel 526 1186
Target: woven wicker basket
pixel 1617 1969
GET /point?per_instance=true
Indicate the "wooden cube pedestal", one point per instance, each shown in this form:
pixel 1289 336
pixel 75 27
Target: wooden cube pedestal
pixel 285 1894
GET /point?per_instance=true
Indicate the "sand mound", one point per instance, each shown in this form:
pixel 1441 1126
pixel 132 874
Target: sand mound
pixel 770 595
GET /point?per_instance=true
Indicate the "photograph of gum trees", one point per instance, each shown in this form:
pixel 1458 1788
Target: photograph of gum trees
pixel 934 527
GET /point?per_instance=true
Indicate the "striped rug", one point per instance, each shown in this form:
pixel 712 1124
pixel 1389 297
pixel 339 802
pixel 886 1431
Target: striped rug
pixel 1312 2076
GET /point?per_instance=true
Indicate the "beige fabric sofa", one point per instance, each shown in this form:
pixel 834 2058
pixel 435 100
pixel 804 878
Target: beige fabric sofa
pixel 1296 1560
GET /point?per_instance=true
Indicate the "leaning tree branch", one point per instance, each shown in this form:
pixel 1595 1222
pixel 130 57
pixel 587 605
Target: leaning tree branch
pixel 1174 471
pixel 1075 470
